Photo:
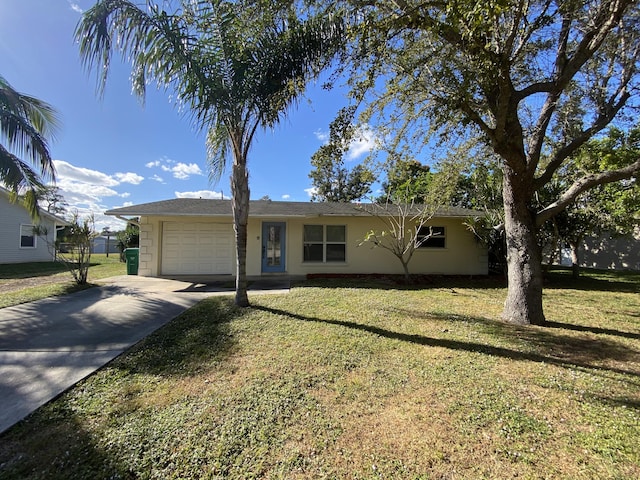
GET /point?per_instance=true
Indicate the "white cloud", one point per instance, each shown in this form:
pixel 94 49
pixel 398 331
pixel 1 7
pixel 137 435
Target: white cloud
pixel 91 183
pixel 322 136
pixel 75 7
pixel 201 194
pixel 64 170
pixel 85 189
pixel 311 191
pixel 157 178
pixel 365 140
pixel 129 177
pixel 183 171
pixel 179 170
pixel 286 197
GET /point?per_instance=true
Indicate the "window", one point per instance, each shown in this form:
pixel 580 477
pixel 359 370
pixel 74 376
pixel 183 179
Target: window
pixel 324 243
pixel 27 236
pixel 436 237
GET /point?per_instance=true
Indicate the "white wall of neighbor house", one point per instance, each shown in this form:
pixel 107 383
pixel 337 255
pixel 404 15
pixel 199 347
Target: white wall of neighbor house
pixel 14 222
pixel 461 255
pixel 612 252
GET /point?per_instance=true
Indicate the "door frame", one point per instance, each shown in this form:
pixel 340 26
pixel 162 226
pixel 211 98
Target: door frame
pixel 283 242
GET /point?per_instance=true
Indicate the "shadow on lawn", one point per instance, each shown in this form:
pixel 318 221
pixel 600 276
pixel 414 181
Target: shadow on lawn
pixel 560 350
pixel 184 346
pixel 30 450
pixel 591 284
pixel 397 282
pixel 594 330
pixel 558 278
pixel 33 269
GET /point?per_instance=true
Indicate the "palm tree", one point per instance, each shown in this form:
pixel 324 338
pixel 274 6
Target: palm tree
pixel 237 66
pixel 25 124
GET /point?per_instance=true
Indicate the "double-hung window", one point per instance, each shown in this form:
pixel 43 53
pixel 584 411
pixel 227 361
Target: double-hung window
pixel 324 243
pixel 432 237
pixel 27 236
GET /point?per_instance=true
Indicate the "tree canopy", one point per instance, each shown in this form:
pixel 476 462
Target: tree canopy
pixel 332 180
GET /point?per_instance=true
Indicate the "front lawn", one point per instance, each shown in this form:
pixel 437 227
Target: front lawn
pixel 336 380
pixel 26 282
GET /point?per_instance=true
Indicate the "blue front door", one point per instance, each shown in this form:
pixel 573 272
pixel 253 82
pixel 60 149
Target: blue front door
pixel 273 247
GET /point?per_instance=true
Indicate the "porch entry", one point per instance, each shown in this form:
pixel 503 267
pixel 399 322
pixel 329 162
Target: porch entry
pixel 273 247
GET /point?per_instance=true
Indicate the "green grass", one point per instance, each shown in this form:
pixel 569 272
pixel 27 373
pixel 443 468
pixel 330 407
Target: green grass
pixel 30 269
pixel 38 280
pixel 340 379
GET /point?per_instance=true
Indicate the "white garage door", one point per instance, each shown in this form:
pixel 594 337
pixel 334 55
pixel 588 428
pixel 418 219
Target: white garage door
pixel 197 248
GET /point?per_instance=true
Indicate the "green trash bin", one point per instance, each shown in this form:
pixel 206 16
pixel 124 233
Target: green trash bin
pixel 132 256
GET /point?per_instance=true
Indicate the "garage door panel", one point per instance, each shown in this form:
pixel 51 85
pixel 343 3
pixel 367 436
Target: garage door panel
pixel 197 248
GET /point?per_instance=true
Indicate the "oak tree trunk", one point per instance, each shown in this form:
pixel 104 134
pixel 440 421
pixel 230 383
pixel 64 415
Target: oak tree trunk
pixel 575 259
pixel 240 207
pixel 523 305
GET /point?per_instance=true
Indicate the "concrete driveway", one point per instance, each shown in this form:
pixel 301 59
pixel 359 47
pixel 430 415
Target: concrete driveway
pixel 49 345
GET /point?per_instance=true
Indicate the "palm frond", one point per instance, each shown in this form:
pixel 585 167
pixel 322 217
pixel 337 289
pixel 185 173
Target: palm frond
pixel 25 123
pixel 24 139
pixel 218 149
pixel 21 180
pixel 120 25
pixel 291 55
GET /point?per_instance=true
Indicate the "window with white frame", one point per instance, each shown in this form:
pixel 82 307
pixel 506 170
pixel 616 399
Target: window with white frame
pixel 324 243
pixel 27 236
pixel 431 237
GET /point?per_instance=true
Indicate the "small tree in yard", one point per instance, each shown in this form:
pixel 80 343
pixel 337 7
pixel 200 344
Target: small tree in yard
pixel 405 222
pixel 78 259
pixel 76 255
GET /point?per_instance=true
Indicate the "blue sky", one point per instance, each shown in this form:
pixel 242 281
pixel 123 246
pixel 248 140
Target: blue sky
pixel 113 151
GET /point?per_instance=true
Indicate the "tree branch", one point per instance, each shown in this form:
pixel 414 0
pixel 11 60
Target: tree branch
pixel 562 153
pixel 583 184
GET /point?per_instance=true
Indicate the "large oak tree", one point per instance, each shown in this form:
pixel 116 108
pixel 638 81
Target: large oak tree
pixel 533 79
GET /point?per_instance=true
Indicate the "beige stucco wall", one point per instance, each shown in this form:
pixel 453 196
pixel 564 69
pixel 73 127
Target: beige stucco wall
pixel 461 256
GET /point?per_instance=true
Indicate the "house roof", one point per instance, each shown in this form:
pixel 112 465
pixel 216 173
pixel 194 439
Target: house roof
pixel 188 207
pixel 43 213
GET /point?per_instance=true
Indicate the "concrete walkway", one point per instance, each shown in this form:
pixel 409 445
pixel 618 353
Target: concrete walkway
pixel 49 345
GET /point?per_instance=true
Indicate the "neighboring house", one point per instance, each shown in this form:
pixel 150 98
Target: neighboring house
pixel 608 252
pixel 99 244
pixel 195 237
pixel 18 241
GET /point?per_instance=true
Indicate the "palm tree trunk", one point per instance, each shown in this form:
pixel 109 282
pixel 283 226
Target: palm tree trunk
pixel 240 206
